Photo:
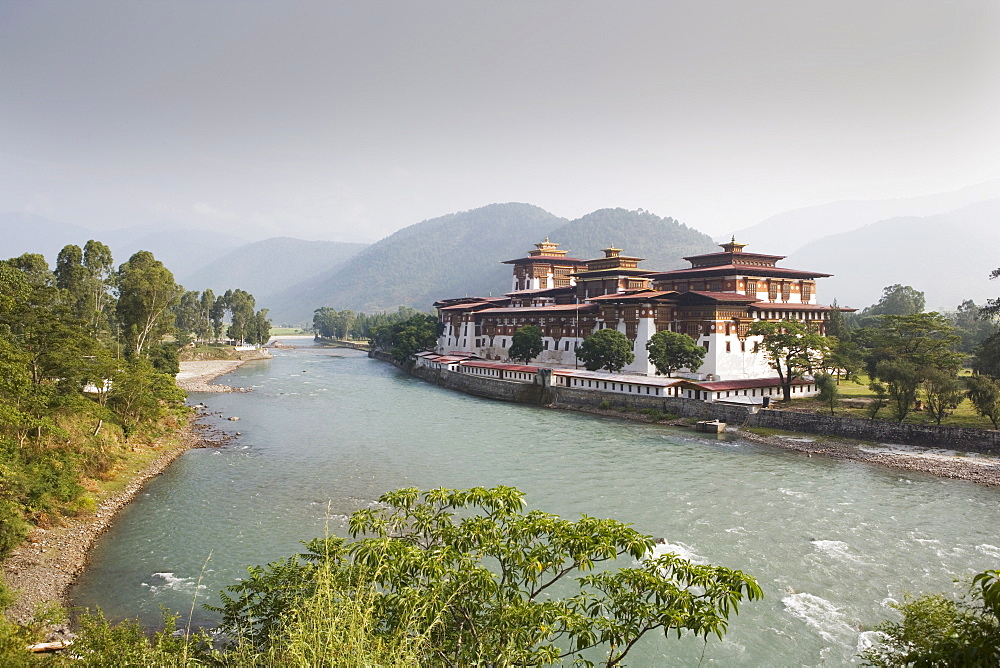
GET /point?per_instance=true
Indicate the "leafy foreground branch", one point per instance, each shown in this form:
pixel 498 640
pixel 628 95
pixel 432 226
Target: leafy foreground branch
pixel 494 586
pixel 939 631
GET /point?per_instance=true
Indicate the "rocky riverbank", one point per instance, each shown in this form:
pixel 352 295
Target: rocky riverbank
pixel 41 570
pixel 977 468
pixel 982 469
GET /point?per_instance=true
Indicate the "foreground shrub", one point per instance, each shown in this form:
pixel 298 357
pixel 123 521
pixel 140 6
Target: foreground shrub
pixel 940 631
pixel 497 585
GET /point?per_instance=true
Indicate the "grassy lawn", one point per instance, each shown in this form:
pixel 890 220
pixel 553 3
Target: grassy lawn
pixel 288 331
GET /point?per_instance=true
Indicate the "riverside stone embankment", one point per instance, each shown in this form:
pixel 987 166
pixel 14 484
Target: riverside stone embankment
pixel 953 452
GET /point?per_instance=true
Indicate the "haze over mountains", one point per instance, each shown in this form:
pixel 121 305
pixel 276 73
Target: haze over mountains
pixel 945 249
pixel 786 232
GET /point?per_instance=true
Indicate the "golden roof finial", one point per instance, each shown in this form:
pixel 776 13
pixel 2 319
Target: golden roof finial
pixel 733 246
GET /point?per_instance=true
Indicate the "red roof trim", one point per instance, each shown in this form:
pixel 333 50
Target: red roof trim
pixel 557 308
pixel 739 270
pixel 502 366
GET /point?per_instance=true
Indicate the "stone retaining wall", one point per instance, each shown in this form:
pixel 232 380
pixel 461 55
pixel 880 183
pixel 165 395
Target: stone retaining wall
pixel 879 431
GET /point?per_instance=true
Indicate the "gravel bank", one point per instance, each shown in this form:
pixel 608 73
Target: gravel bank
pixel 197 375
pixel 973 467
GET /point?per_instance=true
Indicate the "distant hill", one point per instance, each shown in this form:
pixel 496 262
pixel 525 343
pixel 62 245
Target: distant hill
pixel 453 255
pixel 663 242
pixel 784 233
pixel 27 233
pixel 266 268
pixel 460 254
pixel 182 251
pixel 947 256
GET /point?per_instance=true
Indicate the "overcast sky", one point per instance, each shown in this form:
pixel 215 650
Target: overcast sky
pixel 348 120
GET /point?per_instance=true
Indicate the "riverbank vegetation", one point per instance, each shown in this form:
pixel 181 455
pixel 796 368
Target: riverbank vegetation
pixel 940 630
pixel 88 355
pixel 449 577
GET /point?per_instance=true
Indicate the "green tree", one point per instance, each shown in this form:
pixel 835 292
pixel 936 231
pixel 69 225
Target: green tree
pixel 71 276
pixel 792 348
pixel 844 358
pixel 218 316
pixel 880 400
pixel 526 344
pixel 902 380
pixel 325 322
pixel 984 393
pixel 140 394
pixel 187 316
pixel 836 327
pixel 203 330
pixel 240 304
pixel 260 329
pixel 670 351
pixel 971 325
pixel 897 300
pixel 925 340
pixel 101 279
pixel 606 349
pixel 404 339
pixel 828 390
pixel 485 583
pixel 940 631
pixel 146 294
pixel 943 392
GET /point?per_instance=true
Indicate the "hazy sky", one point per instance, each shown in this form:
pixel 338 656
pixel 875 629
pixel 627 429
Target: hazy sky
pixel 348 120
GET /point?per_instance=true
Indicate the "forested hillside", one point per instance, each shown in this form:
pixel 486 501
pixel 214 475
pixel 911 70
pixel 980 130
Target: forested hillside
pixel 460 254
pixel 663 242
pixel 457 254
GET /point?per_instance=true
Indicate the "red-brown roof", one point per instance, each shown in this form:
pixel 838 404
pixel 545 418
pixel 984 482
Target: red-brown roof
pixel 718 296
pixel 720 255
pixel 544 258
pixel 466 306
pixel 750 383
pixel 736 269
pixel 633 295
pixel 555 308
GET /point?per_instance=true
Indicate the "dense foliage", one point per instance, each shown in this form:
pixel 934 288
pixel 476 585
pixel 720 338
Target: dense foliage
pixel 937 630
pixel 526 344
pixel 670 351
pixel 663 242
pixel 468 577
pixel 329 323
pixel 85 372
pixel 404 339
pixel 792 348
pixel 606 349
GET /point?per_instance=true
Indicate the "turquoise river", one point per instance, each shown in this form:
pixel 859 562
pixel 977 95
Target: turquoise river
pixel 326 432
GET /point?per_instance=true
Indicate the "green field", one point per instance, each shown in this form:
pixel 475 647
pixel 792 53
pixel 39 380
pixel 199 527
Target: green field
pixel 288 331
pixel 963 416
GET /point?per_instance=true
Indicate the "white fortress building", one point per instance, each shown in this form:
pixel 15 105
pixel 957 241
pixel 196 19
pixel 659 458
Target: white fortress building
pixel 715 302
